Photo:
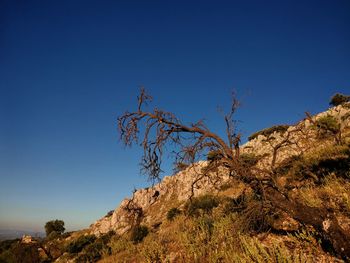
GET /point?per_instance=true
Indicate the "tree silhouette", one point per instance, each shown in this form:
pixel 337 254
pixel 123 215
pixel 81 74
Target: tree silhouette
pixel 56 226
pixel 158 128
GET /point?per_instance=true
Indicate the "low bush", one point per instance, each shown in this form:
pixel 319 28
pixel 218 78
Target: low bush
pixel 248 159
pixel 53 235
pixel 138 233
pixel 172 213
pixel 77 245
pixel 180 166
pixel 93 252
pixel 339 99
pixel 214 155
pixel 269 131
pixel 327 125
pixel 6 244
pixel 110 213
pixel 201 204
pixel 318 164
pixel 153 250
pixel 20 253
pixel 119 244
pixel 54 226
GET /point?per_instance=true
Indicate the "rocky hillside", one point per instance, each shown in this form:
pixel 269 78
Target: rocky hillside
pixel 154 203
pixel 285 199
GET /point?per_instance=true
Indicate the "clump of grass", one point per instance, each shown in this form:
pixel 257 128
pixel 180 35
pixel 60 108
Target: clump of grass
pixel 310 197
pixel 323 161
pixel 138 233
pixel 339 190
pixel 333 193
pixel 201 205
pixel 77 245
pixel 94 251
pixel 119 244
pixel 327 126
pixel 249 159
pixel 214 155
pixel 153 250
pixel 172 213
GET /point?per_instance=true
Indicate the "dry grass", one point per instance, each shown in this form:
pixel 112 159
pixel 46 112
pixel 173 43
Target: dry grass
pixel 208 240
pixel 333 193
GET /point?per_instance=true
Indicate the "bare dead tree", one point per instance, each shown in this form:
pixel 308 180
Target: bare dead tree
pixel 157 128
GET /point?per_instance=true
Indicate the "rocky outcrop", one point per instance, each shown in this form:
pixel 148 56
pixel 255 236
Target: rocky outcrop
pixel 155 202
pixel 301 137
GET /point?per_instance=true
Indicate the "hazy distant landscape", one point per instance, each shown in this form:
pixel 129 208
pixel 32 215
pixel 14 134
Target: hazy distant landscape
pixel 11 234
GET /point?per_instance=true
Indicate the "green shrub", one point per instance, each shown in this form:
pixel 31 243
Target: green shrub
pixel 248 159
pixel 172 213
pixel 214 155
pixel 179 166
pixel 138 233
pixel 21 253
pixel 269 131
pixel 153 251
pixel 6 244
pixel 110 213
pixel 94 251
pixel 318 164
pixel 53 235
pixel 54 226
pixel 77 245
pixel 339 99
pixel 328 124
pixel 201 204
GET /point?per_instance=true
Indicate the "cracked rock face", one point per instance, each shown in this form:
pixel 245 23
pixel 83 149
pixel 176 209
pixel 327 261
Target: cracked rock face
pixel 177 187
pixel 173 190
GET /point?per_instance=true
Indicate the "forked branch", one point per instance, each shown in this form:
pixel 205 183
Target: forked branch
pixel 157 128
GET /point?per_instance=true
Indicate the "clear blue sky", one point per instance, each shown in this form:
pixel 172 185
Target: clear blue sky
pixel 69 68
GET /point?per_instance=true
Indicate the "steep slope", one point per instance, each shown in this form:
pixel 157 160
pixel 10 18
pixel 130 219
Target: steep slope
pixel 288 202
pixel 149 206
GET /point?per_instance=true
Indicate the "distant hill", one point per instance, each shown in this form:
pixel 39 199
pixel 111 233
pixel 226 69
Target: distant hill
pixel 6 234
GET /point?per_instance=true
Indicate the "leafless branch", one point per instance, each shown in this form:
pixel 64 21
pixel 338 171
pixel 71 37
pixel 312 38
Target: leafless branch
pixel 160 128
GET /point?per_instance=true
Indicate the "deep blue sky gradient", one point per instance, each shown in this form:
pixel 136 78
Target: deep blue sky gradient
pixel 69 68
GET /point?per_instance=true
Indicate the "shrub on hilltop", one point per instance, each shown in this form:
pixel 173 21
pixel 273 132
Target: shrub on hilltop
pixel 339 99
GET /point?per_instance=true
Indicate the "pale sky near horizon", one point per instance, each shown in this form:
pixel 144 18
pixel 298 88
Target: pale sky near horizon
pixel 69 68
